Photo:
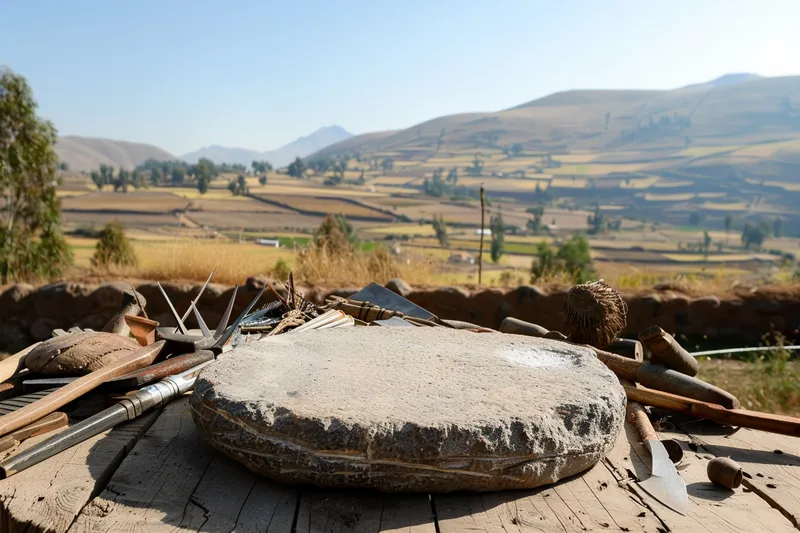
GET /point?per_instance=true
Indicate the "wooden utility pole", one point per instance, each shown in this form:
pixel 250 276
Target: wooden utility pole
pixel 480 255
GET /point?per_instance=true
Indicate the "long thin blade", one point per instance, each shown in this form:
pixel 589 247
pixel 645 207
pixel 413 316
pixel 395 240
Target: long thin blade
pixel 222 340
pixel 201 322
pixel 227 316
pixel 199 294
pixel 181 327
pixel 665 485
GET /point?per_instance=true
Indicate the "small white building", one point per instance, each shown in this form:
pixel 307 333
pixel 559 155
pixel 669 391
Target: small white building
pixel 272 243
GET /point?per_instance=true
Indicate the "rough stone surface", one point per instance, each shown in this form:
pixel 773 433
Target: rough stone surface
pixel 78 353
pixel 428 409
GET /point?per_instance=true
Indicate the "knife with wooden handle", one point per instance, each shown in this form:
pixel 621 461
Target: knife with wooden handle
pixel 55 400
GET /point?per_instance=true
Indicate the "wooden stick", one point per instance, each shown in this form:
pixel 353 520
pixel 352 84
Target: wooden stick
pixel 665 379
pixel 480 254
pixel 784 425
pixel 14 363
pixel 55 400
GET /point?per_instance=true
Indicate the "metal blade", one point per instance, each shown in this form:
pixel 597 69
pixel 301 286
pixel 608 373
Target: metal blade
pixel 383 297
pixel 665 485
pixel 197 298
pixel 228 332
pixel 227 316
pixel 181 327
pixel 201 322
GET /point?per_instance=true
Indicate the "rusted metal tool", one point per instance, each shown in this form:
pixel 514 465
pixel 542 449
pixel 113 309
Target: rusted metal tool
pixel 143 329
pixel 64 395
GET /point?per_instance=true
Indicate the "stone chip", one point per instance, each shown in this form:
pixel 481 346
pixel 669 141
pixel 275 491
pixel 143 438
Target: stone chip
pixel 410 410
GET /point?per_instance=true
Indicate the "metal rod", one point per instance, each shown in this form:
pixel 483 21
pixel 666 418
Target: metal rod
pixel 196 299
pixel 127 409
pixel 223 322
pixel 742 350
pixel 175 315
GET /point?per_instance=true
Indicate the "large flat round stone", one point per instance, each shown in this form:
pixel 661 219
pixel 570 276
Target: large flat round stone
pixel 423 409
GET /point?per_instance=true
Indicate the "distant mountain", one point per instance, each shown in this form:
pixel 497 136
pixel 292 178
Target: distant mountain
pixel 732 109
pixel 727 79
pixel 88 153
pixel 279 157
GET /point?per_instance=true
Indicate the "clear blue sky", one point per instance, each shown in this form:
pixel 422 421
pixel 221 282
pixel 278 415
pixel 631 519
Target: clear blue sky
pixel 183 74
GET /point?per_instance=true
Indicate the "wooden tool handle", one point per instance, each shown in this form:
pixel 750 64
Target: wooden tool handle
pixel 149 374
pixel 520 327
pixel 14 363
pixel 49 423
pixel 662 378
pixel 638 417
pixel 784 425
pixel 55 400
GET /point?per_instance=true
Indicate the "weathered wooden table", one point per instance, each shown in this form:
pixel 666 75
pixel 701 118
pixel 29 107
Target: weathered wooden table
pixel 156 474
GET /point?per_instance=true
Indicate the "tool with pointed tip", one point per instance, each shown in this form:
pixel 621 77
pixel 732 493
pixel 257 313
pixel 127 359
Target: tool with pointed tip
pixel 61 397
pixel 126 409
pixel 196 299
pixel 664 483
pixel 175 315
pixel 216 342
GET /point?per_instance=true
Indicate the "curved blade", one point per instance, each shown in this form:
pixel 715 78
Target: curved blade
pixel 665 485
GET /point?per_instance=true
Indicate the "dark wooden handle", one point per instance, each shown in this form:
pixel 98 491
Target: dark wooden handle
pixel 55 400
pixel 784 425
pixel 149 374
pixel 520 327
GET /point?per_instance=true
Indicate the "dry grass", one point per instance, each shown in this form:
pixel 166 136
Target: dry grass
pixel 318 265
pixel 769 383
pixel 194 259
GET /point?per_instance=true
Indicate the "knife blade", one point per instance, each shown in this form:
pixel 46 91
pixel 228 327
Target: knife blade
pixel 664 483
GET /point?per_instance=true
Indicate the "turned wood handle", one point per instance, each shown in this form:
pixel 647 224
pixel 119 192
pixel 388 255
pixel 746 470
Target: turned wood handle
pixel 784 425
pixel 55 400
pixel 638 417
pixel 665 379
pixel 14 363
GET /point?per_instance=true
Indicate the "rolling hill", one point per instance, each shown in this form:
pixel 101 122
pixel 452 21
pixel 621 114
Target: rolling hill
pixel 733 109
pixel 88 153
pixel 279 157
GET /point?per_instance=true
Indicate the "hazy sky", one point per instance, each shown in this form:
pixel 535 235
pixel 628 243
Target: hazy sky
pixel 182 74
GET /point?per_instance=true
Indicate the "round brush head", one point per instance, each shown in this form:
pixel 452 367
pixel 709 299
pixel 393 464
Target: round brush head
pixel 596 314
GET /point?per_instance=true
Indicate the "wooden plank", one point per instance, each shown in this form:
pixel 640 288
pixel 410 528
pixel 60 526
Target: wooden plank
pixel 711 508
pixel 771 463
pixel 364 512
pixel 46 497
pixel 174 481
pixel 593 501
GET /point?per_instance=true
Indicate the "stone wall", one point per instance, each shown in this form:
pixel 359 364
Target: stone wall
pixel 28 314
